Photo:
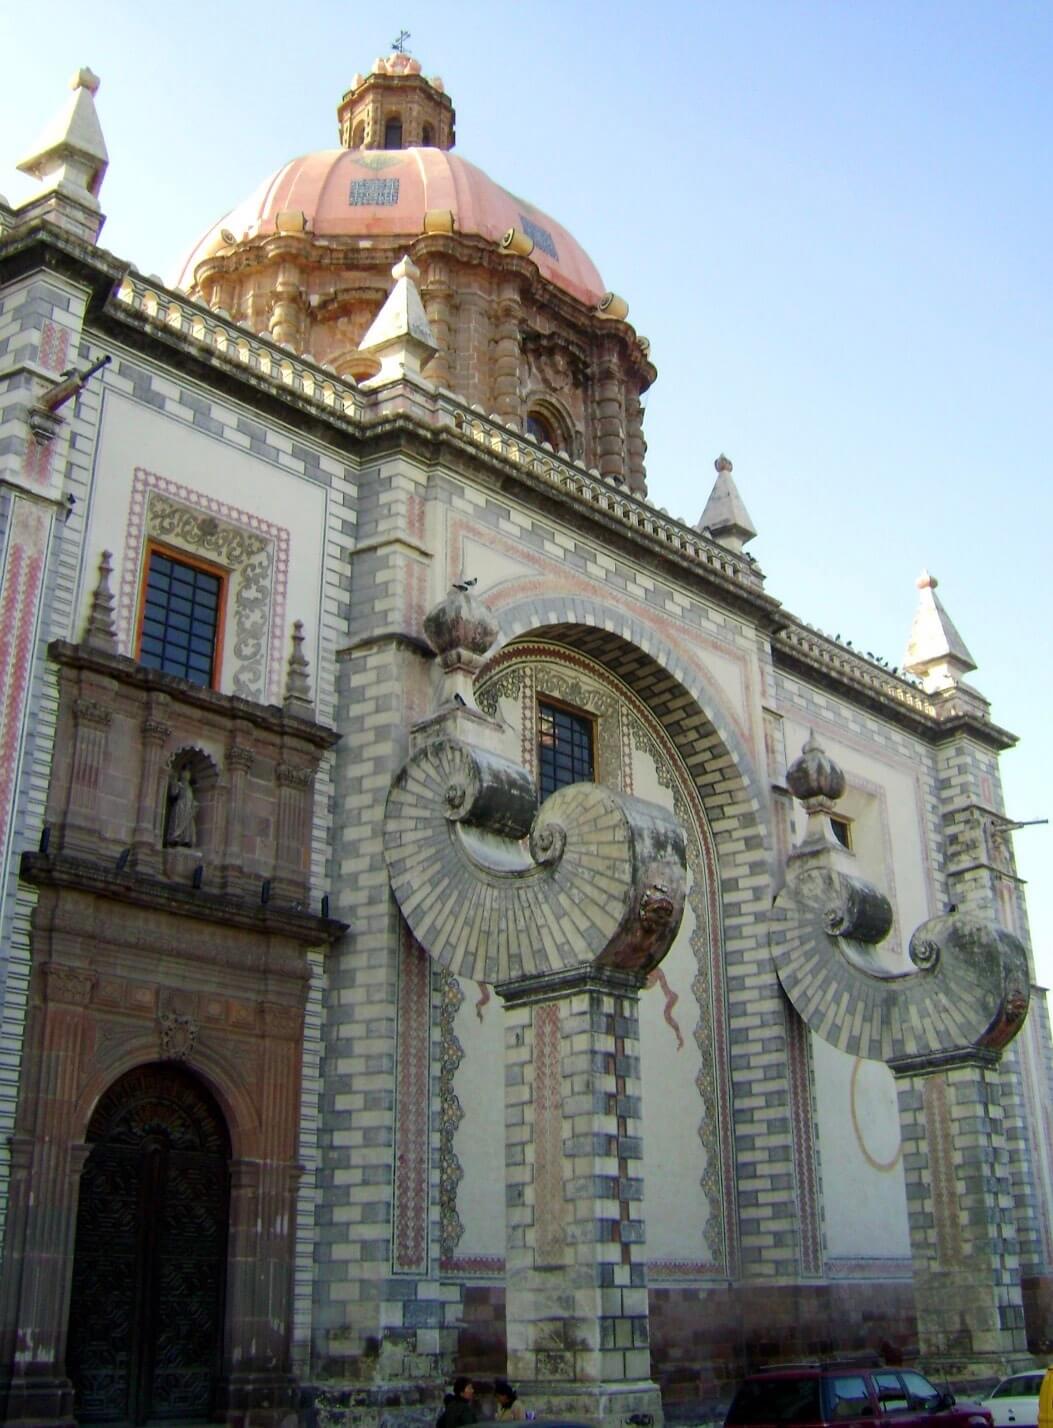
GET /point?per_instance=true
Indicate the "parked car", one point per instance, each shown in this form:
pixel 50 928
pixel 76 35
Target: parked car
pixel 1015 1400
pixel 815 1395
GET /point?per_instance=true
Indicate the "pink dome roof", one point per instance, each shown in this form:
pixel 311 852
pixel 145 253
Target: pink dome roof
pixel 361 192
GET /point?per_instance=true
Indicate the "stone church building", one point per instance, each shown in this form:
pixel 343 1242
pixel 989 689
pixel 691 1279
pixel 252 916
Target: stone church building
pixel 453 918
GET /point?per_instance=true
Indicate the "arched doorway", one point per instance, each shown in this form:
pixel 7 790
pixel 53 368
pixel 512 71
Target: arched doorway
pixel 146 1311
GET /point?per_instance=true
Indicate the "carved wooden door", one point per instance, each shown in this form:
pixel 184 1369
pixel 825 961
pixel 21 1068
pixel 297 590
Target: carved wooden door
pixel 146 1311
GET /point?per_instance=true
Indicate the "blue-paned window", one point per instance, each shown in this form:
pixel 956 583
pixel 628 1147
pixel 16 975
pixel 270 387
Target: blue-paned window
pixel 182 609
pixel 564 748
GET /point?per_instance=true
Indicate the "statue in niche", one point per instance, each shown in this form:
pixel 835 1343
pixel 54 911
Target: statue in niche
pixel 181 826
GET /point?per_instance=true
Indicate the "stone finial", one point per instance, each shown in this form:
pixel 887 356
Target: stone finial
pixel 813 774
pixel 400 334
pixel 460 629
pixel 460 622
pixel 936 652
pixel 100 632
pixel 69 160
pixel 297 685
pixel 725 517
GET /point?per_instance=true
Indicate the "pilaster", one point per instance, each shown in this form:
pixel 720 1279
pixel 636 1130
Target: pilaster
pixel 962 1227
pixel 576 1295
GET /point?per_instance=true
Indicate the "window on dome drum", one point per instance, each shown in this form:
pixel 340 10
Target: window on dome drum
pixel 842 831
pixel 564 747
pixel 427 137
pixel 540 430
pixel 393 132
pixel 182 617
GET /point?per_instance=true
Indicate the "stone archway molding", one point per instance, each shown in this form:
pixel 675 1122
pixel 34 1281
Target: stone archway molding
pixel 600 877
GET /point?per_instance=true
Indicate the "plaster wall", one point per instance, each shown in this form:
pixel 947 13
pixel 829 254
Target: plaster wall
pixel 142 450
pixel 864 1193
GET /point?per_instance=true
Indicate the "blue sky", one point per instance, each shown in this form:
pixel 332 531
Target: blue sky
pixel 832 220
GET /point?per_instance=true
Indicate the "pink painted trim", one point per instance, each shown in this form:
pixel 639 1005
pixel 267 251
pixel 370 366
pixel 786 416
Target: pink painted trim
pixel 489 1265
pixel 19 609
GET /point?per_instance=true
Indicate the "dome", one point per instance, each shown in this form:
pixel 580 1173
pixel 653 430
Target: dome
pixel 365 193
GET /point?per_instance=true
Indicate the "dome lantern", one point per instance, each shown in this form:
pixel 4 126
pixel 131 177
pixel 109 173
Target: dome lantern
pixel 395 107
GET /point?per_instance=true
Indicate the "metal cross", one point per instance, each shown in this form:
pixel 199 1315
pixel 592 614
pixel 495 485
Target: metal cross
pixel 399 45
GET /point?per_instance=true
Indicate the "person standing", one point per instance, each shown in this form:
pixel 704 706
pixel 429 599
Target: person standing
pixel 458 1407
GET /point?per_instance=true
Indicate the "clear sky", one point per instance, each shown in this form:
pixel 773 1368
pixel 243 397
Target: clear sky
pixel 833 221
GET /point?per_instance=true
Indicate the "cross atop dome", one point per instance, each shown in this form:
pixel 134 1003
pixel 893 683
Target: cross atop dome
pixel 395 106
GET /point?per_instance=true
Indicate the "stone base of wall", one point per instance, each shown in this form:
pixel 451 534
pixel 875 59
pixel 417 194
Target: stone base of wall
pixel 1038 1312
pixel 702 1343
pixel 481 1338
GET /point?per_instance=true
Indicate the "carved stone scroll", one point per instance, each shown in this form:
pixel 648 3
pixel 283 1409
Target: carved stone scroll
pixel 496 889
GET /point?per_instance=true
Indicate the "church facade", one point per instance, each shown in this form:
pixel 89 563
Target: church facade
pixel 454 918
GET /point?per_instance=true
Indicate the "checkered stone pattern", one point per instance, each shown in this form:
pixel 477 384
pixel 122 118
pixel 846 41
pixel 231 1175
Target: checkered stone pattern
pixel 40 319
pixel 40 336
pixel 367 1291
pixel 960 1210
pixel 573 1177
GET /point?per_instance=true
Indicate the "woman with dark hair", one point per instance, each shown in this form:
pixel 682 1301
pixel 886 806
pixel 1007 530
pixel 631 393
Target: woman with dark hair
pixel 458 1407
pixel 509 1408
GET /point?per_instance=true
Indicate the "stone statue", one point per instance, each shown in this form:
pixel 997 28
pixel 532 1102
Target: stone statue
pixel 181 831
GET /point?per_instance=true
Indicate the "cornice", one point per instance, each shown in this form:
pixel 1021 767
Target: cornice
pixel 806 653
pixel 123 670
pixel 63 871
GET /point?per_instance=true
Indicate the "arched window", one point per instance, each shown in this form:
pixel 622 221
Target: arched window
pixel 540 429
pixel 427 136
pixel 393 132
pixel 358 138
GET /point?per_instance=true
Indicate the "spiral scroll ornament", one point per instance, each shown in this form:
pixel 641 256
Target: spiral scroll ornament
pixel 964 998
pixel 495 888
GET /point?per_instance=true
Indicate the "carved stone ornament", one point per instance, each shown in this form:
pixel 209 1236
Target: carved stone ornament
pixel 460 622
pixel 71 985
pixel 178 1034
pixel 813 774
pixel 963 1001
pixel 601 880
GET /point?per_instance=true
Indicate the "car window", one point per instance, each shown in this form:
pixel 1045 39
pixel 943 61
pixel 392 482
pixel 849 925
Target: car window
pixel 846 1398
pixel 892 1395
pixel 921 1390
pixel 1021 1385
pixel 776 1400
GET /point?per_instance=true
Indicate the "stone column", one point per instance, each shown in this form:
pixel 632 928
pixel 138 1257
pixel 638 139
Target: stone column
pixel 240 758
pixel 262 1235
pixel 292 844
pixel 149 811
pixel 962 1223
pixel 43 1216
pixel 507 353
pixel 91 725
pixel 636 445
pixel 576 1295
pixel 609 444
pixel 438 296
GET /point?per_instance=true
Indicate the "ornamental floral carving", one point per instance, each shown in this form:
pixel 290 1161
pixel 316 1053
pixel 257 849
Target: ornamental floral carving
pixel 451 1113
pixel 177 1035
pixel 250 558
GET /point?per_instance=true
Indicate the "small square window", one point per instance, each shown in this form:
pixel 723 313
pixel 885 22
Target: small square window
pixel 564 748
pixel 181 619
pixel 842 831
